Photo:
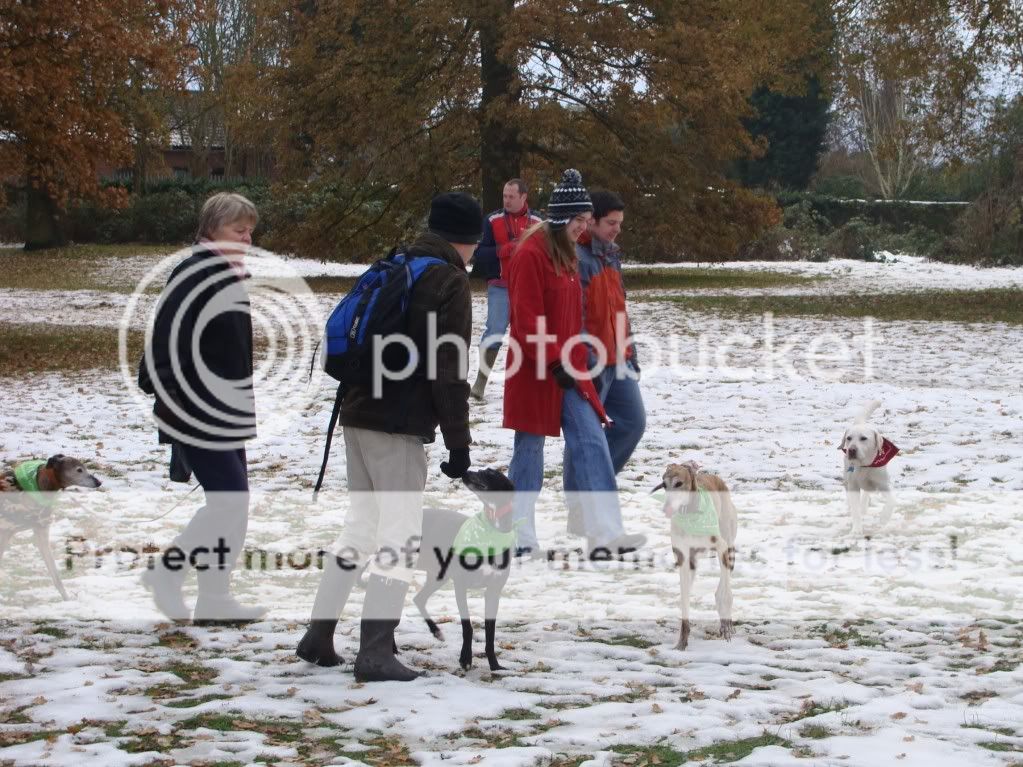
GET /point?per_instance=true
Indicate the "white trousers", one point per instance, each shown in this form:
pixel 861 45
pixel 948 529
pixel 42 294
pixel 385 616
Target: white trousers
pixel 386 479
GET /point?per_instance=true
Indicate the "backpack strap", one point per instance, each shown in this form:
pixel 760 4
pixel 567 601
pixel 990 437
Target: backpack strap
pixel 330 436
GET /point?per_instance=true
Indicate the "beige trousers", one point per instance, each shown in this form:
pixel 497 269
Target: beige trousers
pixel 386 479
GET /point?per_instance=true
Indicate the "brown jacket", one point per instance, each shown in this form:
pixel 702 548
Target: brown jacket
pixel 418 405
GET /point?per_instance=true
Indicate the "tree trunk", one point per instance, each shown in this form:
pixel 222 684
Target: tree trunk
pixel 43 221
pixel 500 149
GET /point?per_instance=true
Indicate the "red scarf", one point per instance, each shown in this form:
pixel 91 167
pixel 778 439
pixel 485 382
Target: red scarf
pixel 885 454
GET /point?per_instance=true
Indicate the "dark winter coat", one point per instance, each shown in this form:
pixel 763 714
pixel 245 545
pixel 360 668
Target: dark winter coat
pixel 212 383
pixel 418 406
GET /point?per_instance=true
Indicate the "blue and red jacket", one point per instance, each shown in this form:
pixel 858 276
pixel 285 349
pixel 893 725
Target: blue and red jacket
pixel 600 274
pixel 501 230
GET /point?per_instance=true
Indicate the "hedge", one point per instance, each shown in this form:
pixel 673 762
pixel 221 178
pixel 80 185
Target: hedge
pixel 901 216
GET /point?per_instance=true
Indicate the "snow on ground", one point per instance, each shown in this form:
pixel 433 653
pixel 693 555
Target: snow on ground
pixel 904 648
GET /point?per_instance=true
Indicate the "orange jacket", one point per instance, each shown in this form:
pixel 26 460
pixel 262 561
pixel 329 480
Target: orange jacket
pixel 600 273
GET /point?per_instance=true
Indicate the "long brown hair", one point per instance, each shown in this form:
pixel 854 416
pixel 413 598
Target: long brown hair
pixel 560 249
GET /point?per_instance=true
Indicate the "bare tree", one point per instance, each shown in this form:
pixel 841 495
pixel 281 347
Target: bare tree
pixel 889 133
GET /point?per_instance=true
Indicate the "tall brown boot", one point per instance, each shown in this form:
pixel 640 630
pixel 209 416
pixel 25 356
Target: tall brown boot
pixel 488 357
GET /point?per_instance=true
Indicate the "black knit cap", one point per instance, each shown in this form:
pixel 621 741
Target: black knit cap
pixel 457 217
pixel 568 199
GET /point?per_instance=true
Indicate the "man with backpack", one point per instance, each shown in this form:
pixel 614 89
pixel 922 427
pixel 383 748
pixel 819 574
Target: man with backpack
pixel 385 438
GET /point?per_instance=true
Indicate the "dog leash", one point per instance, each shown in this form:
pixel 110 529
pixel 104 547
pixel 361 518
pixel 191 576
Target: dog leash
pixel 180 501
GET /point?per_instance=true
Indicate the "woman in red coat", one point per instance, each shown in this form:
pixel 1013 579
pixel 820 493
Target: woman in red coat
pixel 548 387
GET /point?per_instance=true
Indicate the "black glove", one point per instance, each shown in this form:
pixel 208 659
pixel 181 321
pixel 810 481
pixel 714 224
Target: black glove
pixel 457 464
pixel 635 366
pixel 563 377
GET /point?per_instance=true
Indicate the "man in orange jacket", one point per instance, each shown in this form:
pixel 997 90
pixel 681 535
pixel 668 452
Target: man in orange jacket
pixel 606 324
pixel 501 232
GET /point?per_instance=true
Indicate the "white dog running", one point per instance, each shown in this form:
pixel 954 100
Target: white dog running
pixel 867 454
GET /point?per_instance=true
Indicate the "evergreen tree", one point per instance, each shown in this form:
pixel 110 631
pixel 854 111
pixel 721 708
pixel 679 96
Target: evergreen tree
pixel 793 127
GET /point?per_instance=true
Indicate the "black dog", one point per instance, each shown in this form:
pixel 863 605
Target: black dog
pixel 471 562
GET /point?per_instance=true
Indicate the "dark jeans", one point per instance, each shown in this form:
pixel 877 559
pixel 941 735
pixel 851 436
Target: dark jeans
pixel 213 539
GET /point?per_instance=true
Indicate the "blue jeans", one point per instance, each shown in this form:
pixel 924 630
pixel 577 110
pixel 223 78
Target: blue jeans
pixel 220 525
pixel 624 405
pixel 591 463
pixel 498 314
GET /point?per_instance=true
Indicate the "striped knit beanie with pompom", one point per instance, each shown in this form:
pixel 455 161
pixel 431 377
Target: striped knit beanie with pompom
pixel 568 199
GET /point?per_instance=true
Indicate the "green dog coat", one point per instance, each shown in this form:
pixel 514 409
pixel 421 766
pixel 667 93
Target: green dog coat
pixel 479 535
pixel 700 523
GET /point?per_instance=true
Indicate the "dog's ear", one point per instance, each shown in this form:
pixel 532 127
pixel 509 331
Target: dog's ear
pixel 878 441
pixel 54 460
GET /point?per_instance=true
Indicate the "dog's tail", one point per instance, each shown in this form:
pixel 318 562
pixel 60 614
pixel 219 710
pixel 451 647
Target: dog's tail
pixel 868 409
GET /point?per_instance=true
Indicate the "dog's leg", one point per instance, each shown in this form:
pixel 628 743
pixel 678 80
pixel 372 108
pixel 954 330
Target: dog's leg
pixel 723 595
pixel 431 585
pixel 889 506
pixel 686 573
pixel 465 656
pixel 41 536
pixel 492 598
pixel 853 499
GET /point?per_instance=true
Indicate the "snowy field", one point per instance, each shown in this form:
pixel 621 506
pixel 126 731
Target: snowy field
pixel 904 647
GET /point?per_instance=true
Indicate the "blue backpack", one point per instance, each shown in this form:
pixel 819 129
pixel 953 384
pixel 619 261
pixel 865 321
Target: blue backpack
pixel 376 307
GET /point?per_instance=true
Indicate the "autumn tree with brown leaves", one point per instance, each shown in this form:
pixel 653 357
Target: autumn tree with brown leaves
pixel 915 77
pixel 372 107
pixel 74 83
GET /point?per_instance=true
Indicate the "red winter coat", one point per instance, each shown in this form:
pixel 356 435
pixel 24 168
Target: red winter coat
pixel 532 400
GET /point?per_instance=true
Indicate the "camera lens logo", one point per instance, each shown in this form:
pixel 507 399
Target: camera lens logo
pixel 196 354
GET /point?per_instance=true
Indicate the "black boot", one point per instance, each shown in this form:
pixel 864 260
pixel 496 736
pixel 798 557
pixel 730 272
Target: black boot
pixel 317 646
pixel 376 662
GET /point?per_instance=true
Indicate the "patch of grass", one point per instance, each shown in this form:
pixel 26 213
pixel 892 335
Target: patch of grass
pixel 998 745
pixel 75 267
pixel 1002 664
pixel 219 722
pixel 723 752
pixel 388 752
pixel 499 738
pixel 178 640
pixel 53 631
pixel 1007 731
pixel 628 640
pixel 993 305
pixel 193 674
pixel 11 677
pixel 811 708
pixel 518 714
pixel 815 731
pixel 975 697
pixel 710 279
pixel 16 716
pixel 37 347
pixel 193 702
pixel 20 738
pixel 847 634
